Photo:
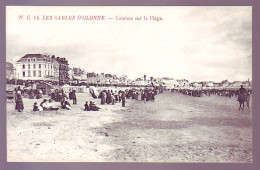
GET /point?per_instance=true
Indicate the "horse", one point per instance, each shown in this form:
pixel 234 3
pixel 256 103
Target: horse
pixel 241 99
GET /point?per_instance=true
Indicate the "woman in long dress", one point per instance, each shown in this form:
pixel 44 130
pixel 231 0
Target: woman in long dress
pixel 19 102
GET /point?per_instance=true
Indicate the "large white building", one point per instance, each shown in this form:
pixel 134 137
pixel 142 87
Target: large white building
pixel 37 67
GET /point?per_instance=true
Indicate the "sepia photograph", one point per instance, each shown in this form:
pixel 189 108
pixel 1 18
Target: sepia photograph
pixel 149 84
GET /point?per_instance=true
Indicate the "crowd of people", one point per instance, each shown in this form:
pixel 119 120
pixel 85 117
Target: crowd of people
pixel 219 92
pixel 60 96
pixel 112 97
pixel 242 95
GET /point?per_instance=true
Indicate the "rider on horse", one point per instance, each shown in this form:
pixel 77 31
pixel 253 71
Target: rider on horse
pixel 242 97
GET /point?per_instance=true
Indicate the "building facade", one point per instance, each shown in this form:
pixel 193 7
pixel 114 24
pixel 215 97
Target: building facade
pixel 79 74
pixel 37 67
pixel 63 69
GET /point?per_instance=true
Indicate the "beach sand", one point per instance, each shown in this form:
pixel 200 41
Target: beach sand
pixel 174 128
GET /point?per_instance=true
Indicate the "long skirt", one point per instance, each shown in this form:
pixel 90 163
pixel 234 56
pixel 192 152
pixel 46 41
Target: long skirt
pixel 103 100
pixel 19 105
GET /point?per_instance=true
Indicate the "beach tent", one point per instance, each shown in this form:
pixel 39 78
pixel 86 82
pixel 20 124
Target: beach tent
pixel 82 89
pixel 45 87
pixel 66 88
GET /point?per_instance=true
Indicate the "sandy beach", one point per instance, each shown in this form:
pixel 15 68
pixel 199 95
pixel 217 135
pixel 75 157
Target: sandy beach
pixel 174 128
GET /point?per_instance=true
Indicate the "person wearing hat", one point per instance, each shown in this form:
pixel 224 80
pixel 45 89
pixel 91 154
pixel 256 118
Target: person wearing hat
pixel 92 106
pixel 19 102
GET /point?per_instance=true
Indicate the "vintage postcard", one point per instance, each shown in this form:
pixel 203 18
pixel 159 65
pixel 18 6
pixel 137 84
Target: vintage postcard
pixel 145 84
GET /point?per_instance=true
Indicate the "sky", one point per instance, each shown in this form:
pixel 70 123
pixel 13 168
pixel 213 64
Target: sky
pixel 203 43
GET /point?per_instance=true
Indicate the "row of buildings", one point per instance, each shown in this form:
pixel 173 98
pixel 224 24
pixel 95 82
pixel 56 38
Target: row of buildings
pixel 38 67
pixel 56 69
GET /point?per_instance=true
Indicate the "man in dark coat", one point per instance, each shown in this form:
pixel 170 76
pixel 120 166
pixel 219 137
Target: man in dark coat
pixel 109 99
pixel 123 99
pixel 73 96
pixel 103 97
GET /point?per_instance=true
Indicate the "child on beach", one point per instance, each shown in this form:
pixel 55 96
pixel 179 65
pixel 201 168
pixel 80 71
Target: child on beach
pixel 35 107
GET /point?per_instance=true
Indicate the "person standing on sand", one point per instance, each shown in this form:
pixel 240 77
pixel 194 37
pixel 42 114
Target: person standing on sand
pixel 123 99
pixel 73 96
pixel 113 99
pixel 242 97
pixel 109 100
pixel 103 97
pixel 19 102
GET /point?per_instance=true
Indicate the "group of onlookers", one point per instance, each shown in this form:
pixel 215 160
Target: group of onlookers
pixel 142 94
pixel 106 97
pixel 110 97
pixel 208 92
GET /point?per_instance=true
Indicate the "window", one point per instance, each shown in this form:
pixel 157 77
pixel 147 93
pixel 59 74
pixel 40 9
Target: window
pixel 34 66
pixel 23 73
pixel 28 60
pixel 51 66
pixel 40 66
pixel 29 73
pixel 34 73
pixel 29 67
pixel 23 66
pixel 48 73
pixel 40 74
